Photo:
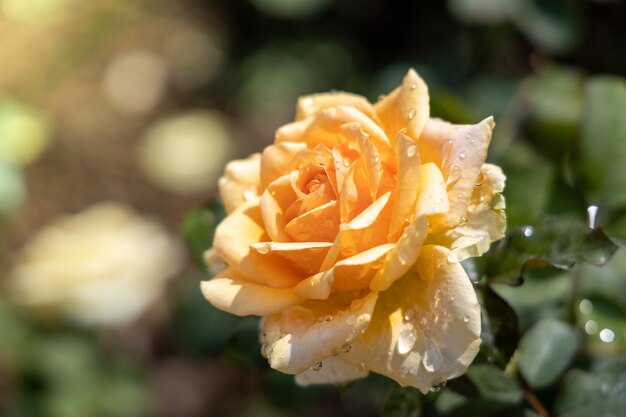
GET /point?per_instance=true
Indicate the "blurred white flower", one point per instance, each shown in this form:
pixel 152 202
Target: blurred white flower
pixel 185 152
pixel 103 266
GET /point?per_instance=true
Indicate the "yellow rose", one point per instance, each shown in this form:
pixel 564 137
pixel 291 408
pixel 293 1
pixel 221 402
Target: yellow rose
pixel 346 236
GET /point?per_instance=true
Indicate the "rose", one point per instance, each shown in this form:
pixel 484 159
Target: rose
pixel 103 266
pixel 346 236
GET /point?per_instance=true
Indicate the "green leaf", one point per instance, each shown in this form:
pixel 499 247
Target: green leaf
pixel 602 152
pixel 558 242
pixel 199 228
pixel 499 330
pixel 529 184
pixel 546 350
pixel 494 385
pixel 402 402
pixel 598 394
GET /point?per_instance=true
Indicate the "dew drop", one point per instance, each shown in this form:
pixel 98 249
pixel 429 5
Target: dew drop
pixel 249 194
pixel 466 318
pixel 317 367
pixel 413 86
pixel 591 327
pixel 376 158
pixel 446 318
pixel 438 387
pixel 451 259
pixel 585 306
pixel 607 335
pixel 264 249
pixel 449 141
pixel 411 151
pixel 337 164
pixel 351 319
pixel 432 359
pixel 405 370
pixel 409 314
pixel 468 136
pixel 463 221
pixel 438 294
pixel 346 162
pixel 528 231
pixel 592 212
pixel 345 348
pixel 328 318
pixel 362 366
pixel 462 155
pixel 406 340
pixel 412 113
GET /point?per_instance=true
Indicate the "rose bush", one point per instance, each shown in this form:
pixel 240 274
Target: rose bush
pixel 346 236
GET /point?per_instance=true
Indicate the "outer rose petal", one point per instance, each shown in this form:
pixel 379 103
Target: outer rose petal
pixel 293 347
pixel 426 328
pixel 309 106
pixel 406 107
pixel 486 218
pixel 230 293
pixel 406 185
pixel 460 151
pixel 240 182
pixel 334 371
pixel 233 237
pixel 275 201
pixel 308 256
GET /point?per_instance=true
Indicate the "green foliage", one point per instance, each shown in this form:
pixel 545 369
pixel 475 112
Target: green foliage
pixel 546 350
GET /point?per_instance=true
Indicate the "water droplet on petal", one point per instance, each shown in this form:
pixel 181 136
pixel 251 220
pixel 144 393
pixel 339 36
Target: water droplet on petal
pixel 337 164
pixel 432 359
pixel 412 113
pixel 409 314
pixel 463 221
pixel 264 249
pixel 376 158
pixel 249 194
pixel 451 259
pixel 406 340
pixel 462 155
pixel 438 387
pixel 346 162
pixel 328 318
pixel 317 367
pixel 413 86
pixel 345 348
pixel 446 318
pixel 411 151
pixel 351 319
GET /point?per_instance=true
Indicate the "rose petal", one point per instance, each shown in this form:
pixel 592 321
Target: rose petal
pixel 426 328
pixel 240 182
pixel 334 370
pixel 233 237
pixel 486 218
pixel 277 159
pixel 405 107
pixel 353 135
pixel 349 274
pixel 406 185
pixel 274 203
pixel 460 151
pixel 323 128
pixel 311 105
pixel 368 229
pixel 307 256
pixel 431 201
pixel 230 293
pixel 318 225
pixel 293 347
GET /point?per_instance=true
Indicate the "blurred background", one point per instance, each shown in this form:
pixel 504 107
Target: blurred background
pixel 117 117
